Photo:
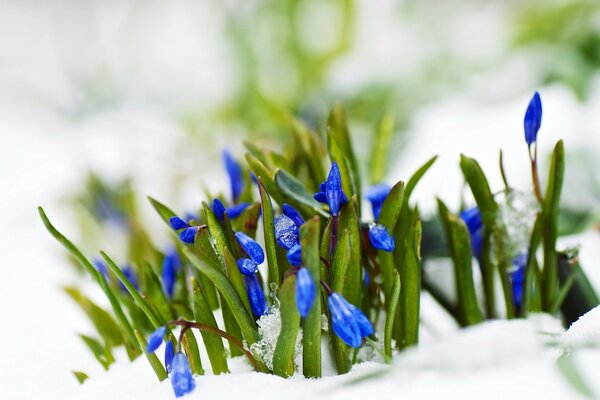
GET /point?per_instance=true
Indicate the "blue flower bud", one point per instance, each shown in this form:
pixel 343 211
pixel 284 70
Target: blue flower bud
pixel 169 353
pixel 321 197
pixel 533 119
pixel 343 320
pixel 376 194
pixel 256 295
pixel 333 190
pixel 364 325
pixel 177 223
pixel 188 235
pixel 235 211
pixel 236 175
pixel 252 248
pixel 472 218
pixel 306 292
pixel 131 277
pixel 294 255
pixel 381 239
pixel 366 278
pixel 247 266
pixel 156 339
pixel 287 233
pixel 181 375
pixel 292 214
pixel 517 278
pixel 253 178
pixel 102 268
pixel 170 267
pixel 218 208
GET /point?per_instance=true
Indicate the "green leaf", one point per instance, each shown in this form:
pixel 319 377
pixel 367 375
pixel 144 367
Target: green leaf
pixel 190 345
pixel 162 210
pixel 573 375
pixel 101 353
pixel 283 357
pixel 311 149
pixel 235 277
pixel 339 266
pixel 480 188
pixel 392 307
pixel 80 376
pixel 269 233
pixel 158 368
pixel 381 148
pixel 349 221
pixel 293 188
pixel 531 289
pixel 577 295
pixel 247 222
pixel 213 343
pixel 410 289
pixel 156 295
pixel 132 345
pixel 337 154
pixel 267 176
pixel 311 327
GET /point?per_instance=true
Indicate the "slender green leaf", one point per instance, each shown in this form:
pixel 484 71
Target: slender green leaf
pixel 573 375
pixel 381 148
pixel 190 345
pixel 392 307
pixel 410 289
pixel 101 353
pixel 283 357
pixel 158 368
pixel 293 188
pixel 237 281
pixel 337 154
pixel 269 233
pixel 349 221
pixel 80 376
pixel 162 210
pixel 339 266
pixel 267 176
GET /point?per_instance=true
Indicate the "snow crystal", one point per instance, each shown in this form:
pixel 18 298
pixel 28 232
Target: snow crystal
pixel 517 215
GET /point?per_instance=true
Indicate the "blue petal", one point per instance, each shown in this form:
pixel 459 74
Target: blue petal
pixel 517 278
pixel 333 189
pixel 252 248
pixel 169 353
pixel 131 277
pixel 286 232
pixel 247 266
pixel 235 211
pixel 181 375
pixel 320 197
pixel 294 255
pixel 218 208
pixel 188 235
pixel 255 295
pixel 292 214
pixel 171 264
pixel 533 119
pixel 156 339
pixel 306 292
pixel 177 223
pixel 377 194
pixel 472 218
pixel 381 239
pixel 236 175
pixel 102 268
pixel 364 325
pixel 343 320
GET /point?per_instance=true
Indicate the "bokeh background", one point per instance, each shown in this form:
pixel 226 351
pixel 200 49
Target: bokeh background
pixel 152 90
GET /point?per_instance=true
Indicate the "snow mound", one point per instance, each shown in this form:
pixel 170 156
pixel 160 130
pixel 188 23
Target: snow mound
pixel 585 331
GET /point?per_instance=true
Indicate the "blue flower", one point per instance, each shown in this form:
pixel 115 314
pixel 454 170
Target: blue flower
pixel 188 235
pixel 331 192
pixel 247 266
pixel 170 267
pixel 294 255
pixel 177 223
pixel 169 354
pixel 256 295
pixel 235 211
pixel 250 246
pixel 131 277
pixel 102 268
pixel 533 119
pixel 306 292
pixel 292 214
pixel 218 208
pixel 287 232
pixel 156 339
pixel 381 239
pixel 348 322
pixel 376 194
pixel 472 218
pixel 181 375
pixel 236 175
pixel 517 278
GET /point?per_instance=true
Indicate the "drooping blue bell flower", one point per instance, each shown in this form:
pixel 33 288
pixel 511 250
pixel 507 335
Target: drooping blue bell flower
pixel 247 266
pixel 294 255
pixel 170 267
pixel 292 214
pixel 306 292
pixel 251 247
pixel 533 119
pixel 218 208
pixel 381 239
pixel 256 296
pixel 188 233
pixel 236 175
pixel 235 211
pixel 472 218
pixel 287 233
pixel 102 268
pixel 348 322
pixel 330 191
pixel 181 375
pixel 177 223
pixel 517 278
pixel 156 339
pixel 169 354
pixel 131 277
pixel 376 194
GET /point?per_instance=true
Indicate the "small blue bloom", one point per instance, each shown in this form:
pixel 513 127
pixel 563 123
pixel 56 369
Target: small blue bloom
pixel 188 235
pixel 102 268
pixel 169 354
pixel 253 178
pixel 250 246
pixel 348 322
pixel 236 175
pixel 247 266
pixel 366 278
pixel 333 189
pixel 376 194
pixel 181 375
pixel 177 223
pixel 472 218
pixel 294 255
pixel 256 295
pixel 533 119
pixel 131 277
pixel 235 211
pixel 381 239
pixel 517 278
pixel 170 267
pixel 306 292
pixel 292 214
pixel 156 339
pixel 321 195
pixel 218 208
pixel 287 232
